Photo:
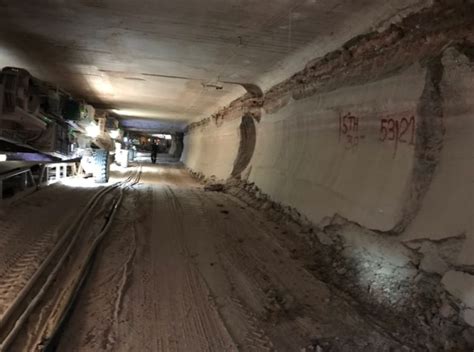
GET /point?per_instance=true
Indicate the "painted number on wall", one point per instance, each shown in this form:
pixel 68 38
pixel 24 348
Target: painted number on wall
pixel 349 130
pixel 401 130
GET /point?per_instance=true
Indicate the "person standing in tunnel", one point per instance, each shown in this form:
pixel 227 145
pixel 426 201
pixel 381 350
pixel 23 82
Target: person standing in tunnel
pixel 154 151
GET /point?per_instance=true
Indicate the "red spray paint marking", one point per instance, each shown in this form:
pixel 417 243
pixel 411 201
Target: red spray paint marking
pixel 401 130
pixel 349 130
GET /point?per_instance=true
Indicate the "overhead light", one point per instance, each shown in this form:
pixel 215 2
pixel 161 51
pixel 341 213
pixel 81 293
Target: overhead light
pixel 216 85
pixel 3 157
pixel 136 113
pixel 162 136
pixel 114 134
pixel 92 130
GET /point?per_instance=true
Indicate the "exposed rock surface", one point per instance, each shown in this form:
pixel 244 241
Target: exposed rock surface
pixel 401 232
pixel 390 280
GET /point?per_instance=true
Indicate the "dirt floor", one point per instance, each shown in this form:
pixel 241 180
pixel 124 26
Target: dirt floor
pixel 29 229
pixel 193 267
pixel 184 269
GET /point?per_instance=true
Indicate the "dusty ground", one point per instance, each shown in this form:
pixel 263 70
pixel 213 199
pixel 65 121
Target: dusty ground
pixel 29 229
pixel 184 269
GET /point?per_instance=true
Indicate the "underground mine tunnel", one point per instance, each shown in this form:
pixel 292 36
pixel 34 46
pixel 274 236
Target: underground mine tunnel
pixel 292 175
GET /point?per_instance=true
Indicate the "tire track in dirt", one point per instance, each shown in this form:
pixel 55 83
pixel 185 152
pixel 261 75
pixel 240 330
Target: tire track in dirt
pixel 123 275
pixel 166 305
pixel 22 267
pixel 293 307
pixel 101 299
pixel 208 275
pixel 29 233
pixel 202 319
pixel 239 320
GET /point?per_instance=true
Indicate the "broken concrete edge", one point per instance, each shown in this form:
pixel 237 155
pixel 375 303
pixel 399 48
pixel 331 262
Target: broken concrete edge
pixel 461 286
pixel 348 244
pixel 245 105
pixel 402 13
pixel 429 143
pixel 415 38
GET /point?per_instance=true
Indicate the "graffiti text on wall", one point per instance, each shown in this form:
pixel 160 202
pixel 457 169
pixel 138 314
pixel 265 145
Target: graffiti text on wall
pixel 392 129
pixel 349 130
pixel 398 130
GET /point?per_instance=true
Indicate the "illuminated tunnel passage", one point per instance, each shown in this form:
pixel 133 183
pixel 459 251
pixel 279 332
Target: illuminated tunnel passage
pixel 214 176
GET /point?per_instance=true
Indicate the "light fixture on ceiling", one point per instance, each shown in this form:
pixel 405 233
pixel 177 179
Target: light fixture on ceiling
pixel 217 86
pixel 162 136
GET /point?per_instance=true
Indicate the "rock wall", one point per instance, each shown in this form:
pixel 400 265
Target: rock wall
pixel 447 208
pixel 380 132
pixel 176 148
pixel 330 153
pixel 212 149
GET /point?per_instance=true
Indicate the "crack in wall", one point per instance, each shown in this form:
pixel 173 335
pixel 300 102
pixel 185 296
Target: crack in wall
pixel 248 139
pixel 429 143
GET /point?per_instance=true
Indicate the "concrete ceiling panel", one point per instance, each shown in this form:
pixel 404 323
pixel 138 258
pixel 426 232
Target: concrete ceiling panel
pixel 163 59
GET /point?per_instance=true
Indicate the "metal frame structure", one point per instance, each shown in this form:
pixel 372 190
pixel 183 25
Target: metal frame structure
pixel 60 172
pixel 26 183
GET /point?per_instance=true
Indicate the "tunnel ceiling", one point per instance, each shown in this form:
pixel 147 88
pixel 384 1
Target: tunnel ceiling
pixel 176 61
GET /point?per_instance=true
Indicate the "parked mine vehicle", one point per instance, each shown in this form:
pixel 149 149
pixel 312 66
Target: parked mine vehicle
pixel 40 118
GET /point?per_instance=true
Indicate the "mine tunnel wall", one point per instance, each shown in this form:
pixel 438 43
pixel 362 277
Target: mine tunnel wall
pixel 212 150
pixel 176 148
pixel 446 208
pixel 323 154
pixel 248 139
pixel 387 143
